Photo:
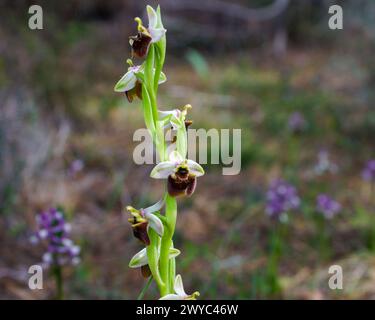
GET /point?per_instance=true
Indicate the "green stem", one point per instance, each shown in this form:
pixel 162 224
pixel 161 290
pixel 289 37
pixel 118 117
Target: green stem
pixel 149 78
pixel 59 283
pixel 147 111
pixel 149 94
pixel 145 288
pixel 159 62
pixel 166 243
pixel 152 256
pixel 274 258
pixel 164 263
pixel 323 237
pixel 158 68
pixel 149 69
pixel 172 271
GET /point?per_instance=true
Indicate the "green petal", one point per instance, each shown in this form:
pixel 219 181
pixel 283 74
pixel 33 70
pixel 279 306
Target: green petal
pixel 162 78
pixel 139 259
pixel 126 83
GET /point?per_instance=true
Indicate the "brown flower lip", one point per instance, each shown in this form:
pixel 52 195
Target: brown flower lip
pixel 188 123
pixel 140 232
pixel 181 183
pixel 181 174
pixel 146 272
pixel 140 44
pixel 135 92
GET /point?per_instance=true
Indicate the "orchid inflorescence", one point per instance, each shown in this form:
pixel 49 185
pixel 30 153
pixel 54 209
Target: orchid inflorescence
pixel 368 173
pixel 281 198
pixel 296 122
pixel 154 229
pixel 327 206
pixel 54 232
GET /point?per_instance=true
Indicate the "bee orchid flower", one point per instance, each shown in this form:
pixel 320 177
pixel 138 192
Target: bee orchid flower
pixel 153 34
pixel 174 119
pixel 143 219
pixel 131 83
pixel 180 293
pixel 181 174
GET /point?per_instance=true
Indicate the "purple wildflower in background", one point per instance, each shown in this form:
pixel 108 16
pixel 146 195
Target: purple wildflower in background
pixel 296 122
pixel 54 231
pixel 75 167
pixel 327 206
pixel 368 173
pixel 281 198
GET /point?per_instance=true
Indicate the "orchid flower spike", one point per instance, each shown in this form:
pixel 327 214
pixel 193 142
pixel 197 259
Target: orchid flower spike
pixel 180 293
pixel 131 83
pixel 143 219
pixel 153 34
pixel 181 174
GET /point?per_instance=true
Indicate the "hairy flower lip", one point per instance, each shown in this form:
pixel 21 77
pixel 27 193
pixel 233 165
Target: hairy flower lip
pixel 182 172
pixel 181 187
pixel 140 44
pixel 140 232
pixel 146 272
pixel 178 184
pixel 135 92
